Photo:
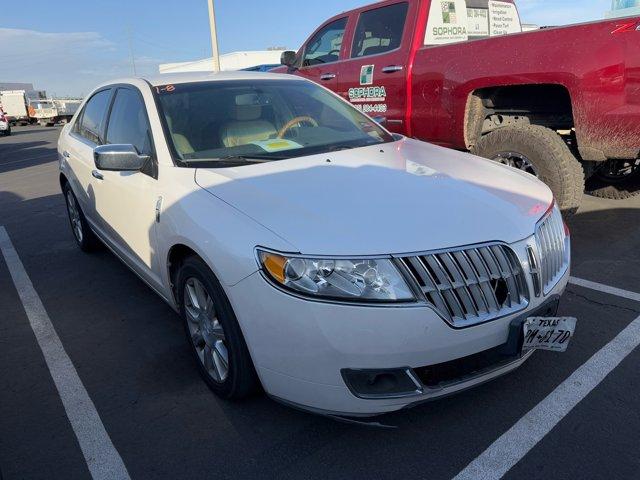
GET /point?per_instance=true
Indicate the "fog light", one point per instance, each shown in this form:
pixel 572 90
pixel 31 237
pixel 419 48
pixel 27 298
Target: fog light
pixel 392 383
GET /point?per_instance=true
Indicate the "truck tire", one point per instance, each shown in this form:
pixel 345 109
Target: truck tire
pixel 542 152
pixel 615 179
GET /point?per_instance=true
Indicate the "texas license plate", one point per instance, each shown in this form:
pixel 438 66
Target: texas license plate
pixel 548 333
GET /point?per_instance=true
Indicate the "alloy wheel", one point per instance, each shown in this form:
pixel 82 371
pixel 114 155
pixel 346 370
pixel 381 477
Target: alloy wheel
pixel 207 333
pixel 516 160
pixel 618 170
pixel 74 216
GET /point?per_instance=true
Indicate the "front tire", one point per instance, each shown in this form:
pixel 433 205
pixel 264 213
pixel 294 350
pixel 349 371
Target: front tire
pixel 213 333
pixel 542 152
pixel 84 236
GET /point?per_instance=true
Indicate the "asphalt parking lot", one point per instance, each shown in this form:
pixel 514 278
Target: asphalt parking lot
pixel 129 351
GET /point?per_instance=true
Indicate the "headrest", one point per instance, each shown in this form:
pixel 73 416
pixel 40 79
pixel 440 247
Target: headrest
pixel 244 113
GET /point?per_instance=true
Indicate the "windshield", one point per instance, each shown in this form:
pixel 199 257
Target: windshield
pixel 243 121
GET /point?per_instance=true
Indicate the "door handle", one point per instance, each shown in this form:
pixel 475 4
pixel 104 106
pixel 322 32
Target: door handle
pixel 328 76
pixel 66 154
pixel 392 68
pixel 97 174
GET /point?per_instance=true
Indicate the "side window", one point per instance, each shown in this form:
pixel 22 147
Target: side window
pixel 128 122
pixel 379 30
pixel 453 21
pixel 325 45
pixel 93 117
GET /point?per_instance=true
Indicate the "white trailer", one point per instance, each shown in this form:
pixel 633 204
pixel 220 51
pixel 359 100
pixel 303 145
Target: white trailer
pixel 14 104
pixel 43 111
pixel 66 108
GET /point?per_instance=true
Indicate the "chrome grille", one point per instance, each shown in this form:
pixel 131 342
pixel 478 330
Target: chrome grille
pixel 553 248
pixel 472 285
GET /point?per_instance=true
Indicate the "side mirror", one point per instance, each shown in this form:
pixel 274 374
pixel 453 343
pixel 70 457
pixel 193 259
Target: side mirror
pixel 120 158
pixel 380 120
pixel 288 58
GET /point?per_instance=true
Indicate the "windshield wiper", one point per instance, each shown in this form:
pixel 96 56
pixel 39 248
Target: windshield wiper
pixel 337 148
pixel 237 159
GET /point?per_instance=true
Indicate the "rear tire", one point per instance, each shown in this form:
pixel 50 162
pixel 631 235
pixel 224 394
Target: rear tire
pixel 617 188
pixel 213 333
pixel 549 155
pixel 84 236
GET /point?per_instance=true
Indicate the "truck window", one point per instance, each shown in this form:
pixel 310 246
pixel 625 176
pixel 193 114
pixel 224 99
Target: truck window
pixel 325 45
pixel 379 30
pixel 453 21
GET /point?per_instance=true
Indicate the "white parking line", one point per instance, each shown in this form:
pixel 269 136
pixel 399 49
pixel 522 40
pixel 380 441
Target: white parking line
pixel 515 443
pixel 605 288
pixel 102 458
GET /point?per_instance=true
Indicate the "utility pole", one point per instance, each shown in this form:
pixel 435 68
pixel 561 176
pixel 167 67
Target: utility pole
pixel 133 60
pixel 214 38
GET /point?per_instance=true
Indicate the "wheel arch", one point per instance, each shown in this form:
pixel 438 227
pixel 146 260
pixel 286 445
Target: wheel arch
pixel 490 108
pixel 176 255
pixel 62 178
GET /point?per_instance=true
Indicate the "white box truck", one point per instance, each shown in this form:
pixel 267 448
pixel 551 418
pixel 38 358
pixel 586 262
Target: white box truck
pixel 14 104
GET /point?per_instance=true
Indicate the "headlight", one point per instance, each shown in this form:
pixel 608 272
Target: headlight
pixel 365 279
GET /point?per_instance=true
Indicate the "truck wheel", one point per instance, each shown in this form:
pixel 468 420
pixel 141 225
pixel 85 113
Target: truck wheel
pixel 615 179
pixel 541 152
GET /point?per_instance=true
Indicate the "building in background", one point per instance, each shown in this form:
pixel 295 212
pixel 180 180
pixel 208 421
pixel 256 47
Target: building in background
pixel 228 61
pixel 623 8
pixel 16 86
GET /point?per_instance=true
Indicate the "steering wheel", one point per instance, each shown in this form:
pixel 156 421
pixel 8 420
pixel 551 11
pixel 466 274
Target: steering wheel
pixel 295 121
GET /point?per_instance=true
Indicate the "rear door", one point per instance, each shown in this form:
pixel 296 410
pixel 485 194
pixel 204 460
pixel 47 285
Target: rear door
pixel 86 133
pixel 322 52
pixel 126 201
pixel 373 77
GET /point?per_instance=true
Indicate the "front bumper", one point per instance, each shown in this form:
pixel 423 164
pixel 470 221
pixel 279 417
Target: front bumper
pixel 301 347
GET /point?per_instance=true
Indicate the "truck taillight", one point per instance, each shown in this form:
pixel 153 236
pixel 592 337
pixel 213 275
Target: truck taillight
pixel 633 26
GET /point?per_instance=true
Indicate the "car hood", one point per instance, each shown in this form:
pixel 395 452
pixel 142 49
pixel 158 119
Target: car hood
pixel 402 197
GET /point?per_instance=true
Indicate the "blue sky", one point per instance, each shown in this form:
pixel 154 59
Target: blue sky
pixel 67 47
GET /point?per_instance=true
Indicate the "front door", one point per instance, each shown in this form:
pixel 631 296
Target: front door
pixel 321 54
pixel 373 77
pixel 126 201
pixel 77 150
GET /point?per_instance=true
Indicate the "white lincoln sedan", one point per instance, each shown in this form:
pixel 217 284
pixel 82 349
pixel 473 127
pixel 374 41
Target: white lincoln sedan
pixel 342 268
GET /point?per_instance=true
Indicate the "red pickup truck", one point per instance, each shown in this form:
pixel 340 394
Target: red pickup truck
pixel 561 103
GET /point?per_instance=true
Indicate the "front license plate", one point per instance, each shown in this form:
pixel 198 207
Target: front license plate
pixel 548 333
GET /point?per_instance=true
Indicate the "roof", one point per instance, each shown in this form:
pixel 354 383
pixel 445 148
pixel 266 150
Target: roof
pixel 192 77
pixel 188 77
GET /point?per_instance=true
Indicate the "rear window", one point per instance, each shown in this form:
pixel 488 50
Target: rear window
pixel 380 30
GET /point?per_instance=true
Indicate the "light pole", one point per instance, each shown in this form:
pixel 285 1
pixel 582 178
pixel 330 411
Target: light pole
pixel 214 38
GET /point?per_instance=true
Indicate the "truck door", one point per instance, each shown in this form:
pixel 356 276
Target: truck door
pixel 373 77
pixel 321 54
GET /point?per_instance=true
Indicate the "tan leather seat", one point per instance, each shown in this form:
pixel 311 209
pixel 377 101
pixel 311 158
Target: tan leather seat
pixel 246 127
pixel 182 144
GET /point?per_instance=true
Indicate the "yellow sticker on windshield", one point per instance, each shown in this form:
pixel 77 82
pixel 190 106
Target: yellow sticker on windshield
pixel 276 145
